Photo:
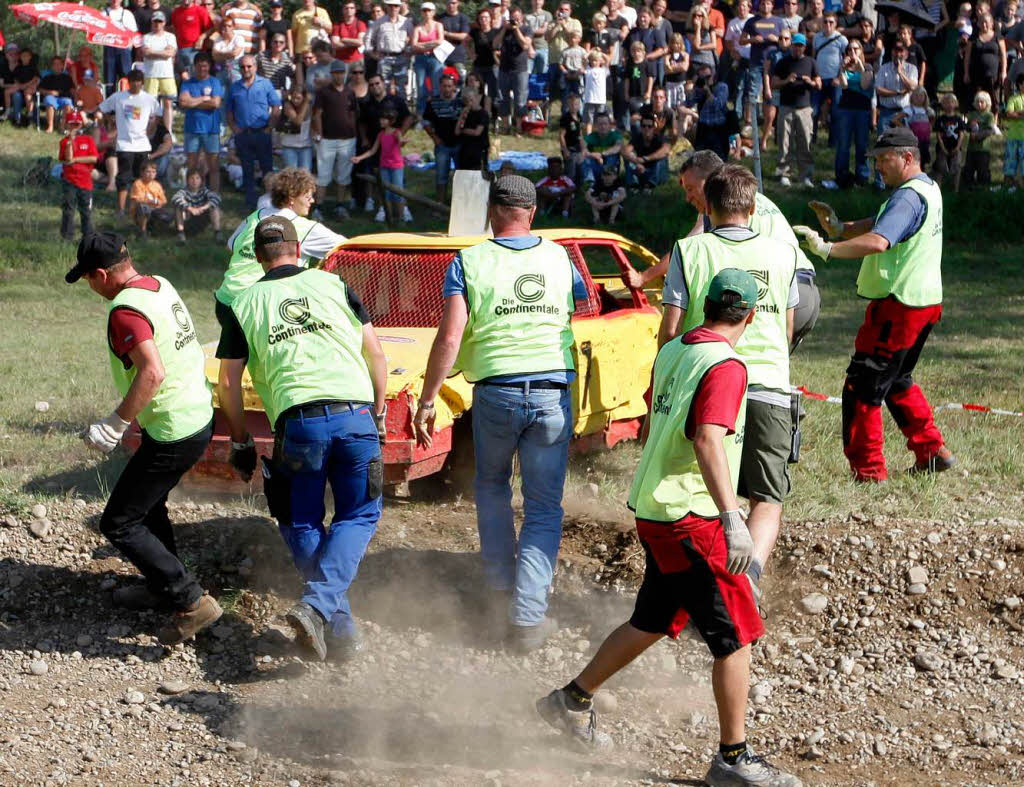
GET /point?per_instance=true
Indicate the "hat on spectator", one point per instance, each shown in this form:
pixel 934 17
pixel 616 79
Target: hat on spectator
pixel 513 191
pixel 799 39
pixel 159 17
pixel 73 118
pixel 336 66
pixel 392 2
pixel 12 47
pixel 276 3
pixel 428 6
pixel 894 137
pixel 736 281
pixel 97 250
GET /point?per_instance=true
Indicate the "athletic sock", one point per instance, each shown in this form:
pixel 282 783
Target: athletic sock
pixel 576 698
pixel 731 751
pixel 755 569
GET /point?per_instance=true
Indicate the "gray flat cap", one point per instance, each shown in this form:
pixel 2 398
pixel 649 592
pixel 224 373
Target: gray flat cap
pixel 513 191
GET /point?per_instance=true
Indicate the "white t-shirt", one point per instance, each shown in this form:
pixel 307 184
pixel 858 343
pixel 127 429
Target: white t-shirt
pixel 734 30
pixel 122 17
pixel 132 114
pixel 595 81
pixel 629 14
pixel 159 67
pixel 318 243
pixel 221 46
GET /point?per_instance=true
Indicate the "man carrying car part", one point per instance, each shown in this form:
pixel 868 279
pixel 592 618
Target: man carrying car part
pixel 506 326
pixel 771 434
pixel 901 276
pixel 158 367
pixel 316 363
pixel 696 545
pixel 767 220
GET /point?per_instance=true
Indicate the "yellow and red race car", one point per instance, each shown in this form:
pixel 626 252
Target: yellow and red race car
pixel 399 277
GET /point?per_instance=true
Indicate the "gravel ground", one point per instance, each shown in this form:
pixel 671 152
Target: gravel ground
pixel 893 656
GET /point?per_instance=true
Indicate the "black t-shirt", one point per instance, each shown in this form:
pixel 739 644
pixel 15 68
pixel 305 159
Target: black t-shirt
pixel 370 110
pixel 472 144
pixel 483 46
pixel 513 56
pixel 276 27
pixel 25 74
pixel 144 17
pixel 61 82
pixel 852 19
pixel 160 134
pixel 459 23
pixel 604 40
pixel 680 5
pixel 615 27
pixel 664 122
pixel 796 94
pixel 233 344
pixel 762 26
pixel 572 126
pixel 644 148
pixel 442 114
pixel 949 128
pixel 634 78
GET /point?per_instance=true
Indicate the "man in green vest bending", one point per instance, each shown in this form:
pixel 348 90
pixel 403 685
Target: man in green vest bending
pixel 689 523
pixel 158 368
pixel 317 365
pixel 764 474
pixel 901 276
pixel 506 326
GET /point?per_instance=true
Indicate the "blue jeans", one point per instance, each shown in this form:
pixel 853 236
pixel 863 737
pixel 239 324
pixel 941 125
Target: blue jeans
pixel 653 175
pixel 393 177
pixel 116 64
pixel 184 59
pixel 537 424
pixel 298 157
pixel 17 104
pixel 852 126
pixel 426 67
pixel 342 449
pixel 394 68
pixel 513 92
pixel 592 168
pixel 444 155
pixel 540 62
pixel 828 92
pixel 254 146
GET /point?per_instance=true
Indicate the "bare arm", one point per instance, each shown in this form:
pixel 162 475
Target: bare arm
pixel 860 246
pixel 853 229
pixel 671 319
pixel 714 466
pixel 148 379
pixel 377 364
pixel 229 391
pixel 789 324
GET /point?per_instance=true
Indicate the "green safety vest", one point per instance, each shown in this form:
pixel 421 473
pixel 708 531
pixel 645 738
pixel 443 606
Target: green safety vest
pixel 668 483
pixel 910 271
pixel 243 269
pixel 183 404
pixel 305 342
pixel 768 220
pixel 764 345
pixel 520 306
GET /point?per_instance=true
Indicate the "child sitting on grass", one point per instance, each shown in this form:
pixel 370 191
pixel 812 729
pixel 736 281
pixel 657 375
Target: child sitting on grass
pixel 195 207
pixel 392 166
pixel 555 189
pixel 148 201
pixel 606 196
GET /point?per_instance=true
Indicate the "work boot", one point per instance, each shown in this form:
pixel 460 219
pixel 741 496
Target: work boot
pixel 343 649
pixel 526 639
pixel 186 623
pixel 139 598
pixel 309 629
pixel 939 462
pixel 579 725
pixel 749 770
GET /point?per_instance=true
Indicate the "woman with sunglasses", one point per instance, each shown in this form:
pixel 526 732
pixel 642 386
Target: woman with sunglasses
pixel 227 48
pixel 275 64
pixel 853 114
pixel 426 37
pixel 277 25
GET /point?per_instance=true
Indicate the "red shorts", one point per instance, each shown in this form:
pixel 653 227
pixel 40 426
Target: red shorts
pixel 686 579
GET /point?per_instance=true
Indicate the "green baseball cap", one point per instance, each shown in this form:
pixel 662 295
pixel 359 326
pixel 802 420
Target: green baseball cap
pixel 735 281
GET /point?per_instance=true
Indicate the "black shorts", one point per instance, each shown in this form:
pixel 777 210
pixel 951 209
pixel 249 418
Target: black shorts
pixel 129 167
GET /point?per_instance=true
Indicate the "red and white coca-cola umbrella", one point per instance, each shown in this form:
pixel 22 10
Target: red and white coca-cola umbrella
pixel 98 28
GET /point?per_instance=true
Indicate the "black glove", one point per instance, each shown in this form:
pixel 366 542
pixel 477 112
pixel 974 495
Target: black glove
pixel 243 457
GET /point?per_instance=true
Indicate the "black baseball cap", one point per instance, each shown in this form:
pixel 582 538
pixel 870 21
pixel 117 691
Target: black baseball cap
pixel 894 137
pixel 97 250
pixel 275 229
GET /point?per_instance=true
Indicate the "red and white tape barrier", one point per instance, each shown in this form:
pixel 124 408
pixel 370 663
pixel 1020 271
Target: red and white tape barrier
pixel 968 406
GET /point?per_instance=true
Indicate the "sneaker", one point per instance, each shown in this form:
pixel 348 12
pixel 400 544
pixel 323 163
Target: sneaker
pixel 380 214
pixel 341 212
pixel 807 183
pixel 579 725
pixel 749 769
pixel 784 181
pixel 369 205
pixel 831 185
pixel 186 623
pixel 406 215
pixel 940 462
pixel 309 628
pixel 525 639
pixel 181 239
pixel 139 598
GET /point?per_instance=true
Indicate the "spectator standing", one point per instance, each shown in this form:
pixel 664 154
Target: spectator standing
pixel 189 20
pixel 253 106
pixel 796 78
pixel 918 118
pixel 276 24
pixel 439 121
pixel 275 64
pixel 538 21
pixel 117 62
pixel 915 52
pixel 703 41
pixel 951 139
pixel 646 156
pixel 873 48
pixel 158 51
pixel 426 37
pixel 388 149
pixel 1013 122
pixel 456 32
pixel 558 36
pixel 318 74
pixel 555 189
pixel 144 11
pixel 296 139
pixel 603 149
pixel 135 112
pixel 201 98
pixel 160 145
pixel 771 109
pixel 195 207
pixel 716 123
pixel 595 83
pixel 637 83
pixel 618 29
pixel 348 35
pixel 78 155
pixel 471 131
pixel 986 59
pixel 570 138
pixel 482 38
pixel 829 50
pixel 574 64
pixel 894 83
pixel 791 14
pixel 247 18
pixel 628 12
pixel 148 201
pixel 654 41
pixel 227 48
pixel 677 64
pixel 513 41
pixel 853 114
pixel 389 44
pixel 310 23
pixel 814 19
pixel 932 39
pixel 334 129
pixel 981 124
pixel 848 20
pixel 602 38
pixel 762 33
pixel 55 89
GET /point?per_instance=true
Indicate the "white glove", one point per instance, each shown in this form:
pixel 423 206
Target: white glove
pixel 738 542
pixel 105 434
pixel 827 218
pixel 813 242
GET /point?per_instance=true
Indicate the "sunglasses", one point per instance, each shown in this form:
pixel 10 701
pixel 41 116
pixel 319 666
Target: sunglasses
pixel 646 125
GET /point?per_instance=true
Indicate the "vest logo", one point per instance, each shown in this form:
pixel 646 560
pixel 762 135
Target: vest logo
pixel 663 401
pixel 529 287
pixel 181 317
pixel 185 334
pixel 294 311
pixel 763 282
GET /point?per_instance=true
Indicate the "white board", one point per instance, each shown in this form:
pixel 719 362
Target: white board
pixel 468 215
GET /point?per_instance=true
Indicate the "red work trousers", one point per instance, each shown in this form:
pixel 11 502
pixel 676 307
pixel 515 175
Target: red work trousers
pixel 886 351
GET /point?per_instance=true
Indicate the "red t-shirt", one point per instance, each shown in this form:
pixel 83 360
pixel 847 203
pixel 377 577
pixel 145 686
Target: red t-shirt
pixel 127 328
pixel 79 174
pixel 348 54
pixel 718 396
pixel 189 22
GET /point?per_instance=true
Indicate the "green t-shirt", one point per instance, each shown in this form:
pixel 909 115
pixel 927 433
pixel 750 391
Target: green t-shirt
pixel 984 120
pixel 599 143
pixel 1014 127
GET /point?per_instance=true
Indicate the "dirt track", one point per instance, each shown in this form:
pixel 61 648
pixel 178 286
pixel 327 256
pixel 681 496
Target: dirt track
pixel 888 684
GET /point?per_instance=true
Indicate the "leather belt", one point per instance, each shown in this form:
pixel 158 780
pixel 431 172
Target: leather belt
pixel 539 385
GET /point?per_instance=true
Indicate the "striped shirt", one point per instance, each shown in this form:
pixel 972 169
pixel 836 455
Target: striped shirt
pixel 196 199
pixel 247 21
pixel 279 72
pixel 390 38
